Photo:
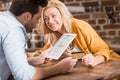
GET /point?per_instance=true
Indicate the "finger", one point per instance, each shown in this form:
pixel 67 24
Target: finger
pixel 50 48
pixel 68 58
pixel 87 55
pixel 86 60
pixel 47 50
pixel 74 61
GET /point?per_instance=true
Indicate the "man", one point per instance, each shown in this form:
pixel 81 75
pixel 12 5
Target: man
pixel 22 16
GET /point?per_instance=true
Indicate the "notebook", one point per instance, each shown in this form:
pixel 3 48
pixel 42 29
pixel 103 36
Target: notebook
pixel 61 45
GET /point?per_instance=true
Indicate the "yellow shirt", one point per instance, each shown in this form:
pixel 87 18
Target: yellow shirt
pixel 88 40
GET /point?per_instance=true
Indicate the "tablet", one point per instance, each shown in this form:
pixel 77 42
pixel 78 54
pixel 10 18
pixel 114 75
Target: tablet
pixel 61 45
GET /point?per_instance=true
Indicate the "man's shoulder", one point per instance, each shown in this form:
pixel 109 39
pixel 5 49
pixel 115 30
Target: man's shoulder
pixel 5 18
pixel 8 23
pixel 8 20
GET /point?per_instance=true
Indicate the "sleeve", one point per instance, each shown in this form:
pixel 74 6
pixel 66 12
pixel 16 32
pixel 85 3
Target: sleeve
pixel 14 50
pixel 91 39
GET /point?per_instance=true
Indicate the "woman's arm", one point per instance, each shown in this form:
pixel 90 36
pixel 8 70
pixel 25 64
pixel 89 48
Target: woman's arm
pixel 90 60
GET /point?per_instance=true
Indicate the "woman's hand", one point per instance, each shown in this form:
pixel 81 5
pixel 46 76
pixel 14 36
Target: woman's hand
pixel 90 60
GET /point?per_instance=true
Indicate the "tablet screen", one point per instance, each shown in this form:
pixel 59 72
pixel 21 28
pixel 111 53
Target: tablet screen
pixel 61 45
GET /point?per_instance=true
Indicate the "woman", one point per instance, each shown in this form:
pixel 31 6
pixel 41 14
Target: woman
pixel 56 20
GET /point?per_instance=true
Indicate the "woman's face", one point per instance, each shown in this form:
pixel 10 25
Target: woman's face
pixel 53 19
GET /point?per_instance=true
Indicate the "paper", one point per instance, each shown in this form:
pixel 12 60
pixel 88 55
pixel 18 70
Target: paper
pixel 61 45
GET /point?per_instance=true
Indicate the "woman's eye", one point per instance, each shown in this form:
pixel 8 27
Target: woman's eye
pixel 53 15
pixel 45 19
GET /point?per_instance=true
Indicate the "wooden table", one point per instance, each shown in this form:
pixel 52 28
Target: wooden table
pixel 104 71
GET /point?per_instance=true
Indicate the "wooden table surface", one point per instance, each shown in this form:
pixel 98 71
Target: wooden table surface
pixel 104 71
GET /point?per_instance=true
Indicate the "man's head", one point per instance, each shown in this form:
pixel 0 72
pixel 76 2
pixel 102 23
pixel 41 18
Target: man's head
pixel 20 6
pixel 27 11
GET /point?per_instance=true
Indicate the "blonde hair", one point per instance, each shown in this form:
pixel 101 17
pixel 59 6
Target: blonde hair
pixel 51 36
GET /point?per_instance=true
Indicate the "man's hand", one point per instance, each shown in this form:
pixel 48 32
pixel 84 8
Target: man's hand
pixel 38 59
pixel 66 65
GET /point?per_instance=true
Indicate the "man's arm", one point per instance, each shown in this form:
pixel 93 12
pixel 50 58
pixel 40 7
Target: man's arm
pixel 17 59
pixel 14 51
pixel 64 66
pixel 34 59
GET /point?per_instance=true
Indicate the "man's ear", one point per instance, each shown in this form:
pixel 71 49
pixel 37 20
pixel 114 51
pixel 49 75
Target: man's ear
pixel 27 16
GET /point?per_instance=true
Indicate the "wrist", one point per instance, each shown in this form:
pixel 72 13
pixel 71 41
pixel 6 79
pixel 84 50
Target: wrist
pixel 99 59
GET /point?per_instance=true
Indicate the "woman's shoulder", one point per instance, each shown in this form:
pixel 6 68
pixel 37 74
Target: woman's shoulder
pixel 80 25
pixel 76 21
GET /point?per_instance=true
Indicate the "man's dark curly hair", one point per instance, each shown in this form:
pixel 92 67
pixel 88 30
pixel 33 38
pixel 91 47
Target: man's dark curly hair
pixel 20 6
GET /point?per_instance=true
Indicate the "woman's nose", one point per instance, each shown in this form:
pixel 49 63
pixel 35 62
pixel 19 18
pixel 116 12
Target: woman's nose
pixel 51 20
